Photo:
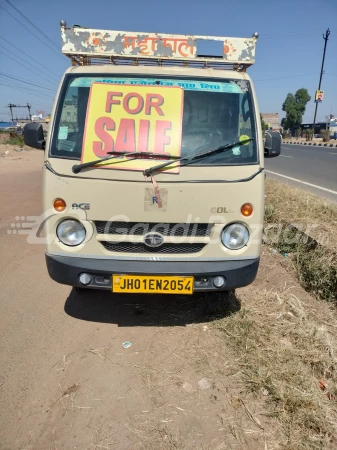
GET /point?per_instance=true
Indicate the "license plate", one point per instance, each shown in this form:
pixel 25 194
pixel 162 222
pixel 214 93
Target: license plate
pixel 152 285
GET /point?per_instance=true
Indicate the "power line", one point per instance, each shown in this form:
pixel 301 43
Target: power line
pixel 37 37
pixel 17 60
pixel 22 64
pixel 26 82
pixel 14 85
pixel 32 24
pixel 25 90
pixel 30 57
pixel 42 106
pixel 33 91
pixel 25 62
pixel 17 98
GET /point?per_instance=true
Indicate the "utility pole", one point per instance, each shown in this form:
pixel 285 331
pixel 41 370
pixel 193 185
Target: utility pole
pixel 11 109
pixel 325 37
pixel 30 116
pixel 27 105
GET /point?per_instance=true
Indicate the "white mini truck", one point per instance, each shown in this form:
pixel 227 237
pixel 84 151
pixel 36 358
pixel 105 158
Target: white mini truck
pixel 154 163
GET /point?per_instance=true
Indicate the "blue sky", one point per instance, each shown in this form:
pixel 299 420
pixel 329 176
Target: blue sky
pixel 289 49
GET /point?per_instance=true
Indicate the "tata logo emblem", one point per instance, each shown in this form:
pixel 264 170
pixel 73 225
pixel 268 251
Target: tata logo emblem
pixel 153 239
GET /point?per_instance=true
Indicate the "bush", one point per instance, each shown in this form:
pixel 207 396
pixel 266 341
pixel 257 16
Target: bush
pixel 15 139
pixel 309 133
pixel 325 135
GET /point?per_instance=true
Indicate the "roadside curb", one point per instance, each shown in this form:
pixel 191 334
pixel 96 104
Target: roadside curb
pixel 318 144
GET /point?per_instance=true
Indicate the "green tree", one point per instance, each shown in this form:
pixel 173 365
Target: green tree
pixel 263 124
pixel 294 107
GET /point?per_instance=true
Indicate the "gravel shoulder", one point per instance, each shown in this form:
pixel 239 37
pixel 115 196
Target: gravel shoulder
pixel 67 382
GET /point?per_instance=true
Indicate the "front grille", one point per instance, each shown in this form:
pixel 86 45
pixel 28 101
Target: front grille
pixel 166 229
pixel 129 247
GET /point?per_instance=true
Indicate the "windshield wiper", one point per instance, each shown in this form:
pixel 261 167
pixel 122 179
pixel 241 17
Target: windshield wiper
pixel 78 167
pixel 192 158
pixel 172 159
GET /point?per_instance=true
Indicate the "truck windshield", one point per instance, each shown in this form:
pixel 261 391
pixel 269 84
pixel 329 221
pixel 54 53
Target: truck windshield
pixel 215 113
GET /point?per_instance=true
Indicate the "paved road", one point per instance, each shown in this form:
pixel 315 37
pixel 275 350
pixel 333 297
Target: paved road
pixel 310 168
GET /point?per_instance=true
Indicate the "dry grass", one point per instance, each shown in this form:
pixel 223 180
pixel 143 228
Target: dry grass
pixel 157 436
pixel 313 250
pixel 285 348
pixel 103 440
pixel 318 217
pixel 317 271
pixel 15 139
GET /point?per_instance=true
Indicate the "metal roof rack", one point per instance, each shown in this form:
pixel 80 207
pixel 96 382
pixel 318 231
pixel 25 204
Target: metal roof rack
pixel 85 46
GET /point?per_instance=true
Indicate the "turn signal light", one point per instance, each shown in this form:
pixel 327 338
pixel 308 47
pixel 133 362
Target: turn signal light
pixel 59 205
pixel 247 210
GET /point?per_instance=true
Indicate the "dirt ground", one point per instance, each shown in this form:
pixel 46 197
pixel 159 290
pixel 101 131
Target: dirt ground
pixel 66 382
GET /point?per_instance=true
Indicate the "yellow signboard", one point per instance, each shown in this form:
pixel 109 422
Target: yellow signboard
pixel 133 118
pixel 319 96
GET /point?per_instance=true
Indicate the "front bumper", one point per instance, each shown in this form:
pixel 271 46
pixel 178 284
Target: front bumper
pixel 237 273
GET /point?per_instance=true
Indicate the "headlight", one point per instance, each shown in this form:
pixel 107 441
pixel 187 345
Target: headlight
pixel 235 236
pixel 71 232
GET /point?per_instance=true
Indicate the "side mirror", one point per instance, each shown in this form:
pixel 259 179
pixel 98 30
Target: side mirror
pixel 272 145
pixel 33 135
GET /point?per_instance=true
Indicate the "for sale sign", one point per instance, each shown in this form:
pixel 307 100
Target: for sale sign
pixel 132 118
